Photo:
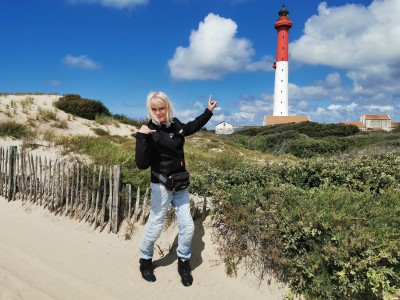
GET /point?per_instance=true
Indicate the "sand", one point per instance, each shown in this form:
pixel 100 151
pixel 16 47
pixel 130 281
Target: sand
pixel 44 256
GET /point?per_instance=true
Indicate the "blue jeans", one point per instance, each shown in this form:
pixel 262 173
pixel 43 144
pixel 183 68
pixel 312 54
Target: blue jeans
pixel 160 200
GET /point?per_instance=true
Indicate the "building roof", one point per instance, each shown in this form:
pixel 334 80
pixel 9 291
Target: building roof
pixel 224 122
pixel 358 124
pixel 379 117
pixel 273 120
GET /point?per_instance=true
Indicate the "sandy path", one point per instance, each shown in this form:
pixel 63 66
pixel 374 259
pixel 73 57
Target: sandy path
pixel 43 256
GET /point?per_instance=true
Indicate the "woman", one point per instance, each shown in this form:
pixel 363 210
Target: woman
pixel 159 145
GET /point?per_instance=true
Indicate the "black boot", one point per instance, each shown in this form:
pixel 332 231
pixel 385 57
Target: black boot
pixel 147 269
pixel 184 270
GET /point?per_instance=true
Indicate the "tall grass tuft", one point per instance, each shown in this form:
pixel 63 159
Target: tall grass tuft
pixel 13 129
pixel 47 114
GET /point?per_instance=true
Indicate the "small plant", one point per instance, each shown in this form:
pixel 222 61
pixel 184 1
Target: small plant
pixel 49 135
pixel 100 131
pixel 47 115
pixel 104 119
pixel 25 103
pixel 13 129
pixel 63 124
pixel 130 121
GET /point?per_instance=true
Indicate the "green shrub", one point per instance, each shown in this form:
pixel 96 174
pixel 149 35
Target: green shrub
pixel 100 131
pixel 47 114
pixel 81 107
pixel 311 129
pixel 130 121
pixel 13 129
pixel 326 243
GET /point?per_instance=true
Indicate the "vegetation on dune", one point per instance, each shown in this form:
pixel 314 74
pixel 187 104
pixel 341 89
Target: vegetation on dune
pixel 326 225
pixel 13 129
pixel 130 121
pixel 317 206
pixel 81 107
pixel 308 139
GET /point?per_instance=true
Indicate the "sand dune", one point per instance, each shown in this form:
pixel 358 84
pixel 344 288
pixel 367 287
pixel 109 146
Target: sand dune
pixel 44 256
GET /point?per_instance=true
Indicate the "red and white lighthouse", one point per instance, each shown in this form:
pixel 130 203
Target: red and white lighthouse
pixel 281 65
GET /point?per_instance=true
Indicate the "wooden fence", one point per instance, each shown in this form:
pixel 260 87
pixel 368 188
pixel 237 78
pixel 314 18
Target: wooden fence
pixel 84 192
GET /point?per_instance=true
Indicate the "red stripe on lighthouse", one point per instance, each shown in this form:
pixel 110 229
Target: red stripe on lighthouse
pixel 282 25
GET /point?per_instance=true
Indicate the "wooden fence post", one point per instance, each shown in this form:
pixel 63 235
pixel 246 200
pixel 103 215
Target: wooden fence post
pixel 98 190
pixel 116 178
pixel 11 179
pixel 135 213
pixel 143 216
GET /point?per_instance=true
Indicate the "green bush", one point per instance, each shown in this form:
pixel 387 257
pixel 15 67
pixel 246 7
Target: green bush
pixel 311 129
pixel 130 121
pixel 328 228
pixel 81 107
pixel 13 129
pixel 297 144
pixel 326 243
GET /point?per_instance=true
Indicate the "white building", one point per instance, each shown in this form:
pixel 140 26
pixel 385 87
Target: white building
pixel 224 128
pixel 376 121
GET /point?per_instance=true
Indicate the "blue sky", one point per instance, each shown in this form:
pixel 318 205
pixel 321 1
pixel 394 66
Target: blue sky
pixel 344 56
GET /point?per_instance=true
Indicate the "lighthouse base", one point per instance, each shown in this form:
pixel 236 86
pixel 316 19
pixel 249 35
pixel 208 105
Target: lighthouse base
pixel 275 120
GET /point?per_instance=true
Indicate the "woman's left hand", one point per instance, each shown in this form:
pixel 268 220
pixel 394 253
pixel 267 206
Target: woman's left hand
pixel 211 104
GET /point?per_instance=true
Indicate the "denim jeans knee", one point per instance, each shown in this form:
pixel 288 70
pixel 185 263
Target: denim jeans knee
pixel 181 205
pixel 160 201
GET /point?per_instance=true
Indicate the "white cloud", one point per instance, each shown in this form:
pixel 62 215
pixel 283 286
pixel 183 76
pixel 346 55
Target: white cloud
pixel 265 64
pixel 360 39
pixel 218 118
pixel 198 104
pixel 302 105
pixel 214 51
pixel 338 107
pixel 383 109
pixel 243 117
pixel 80 62
pixel 187 114
pixel 256 106
pixel 113 3
pixel 350 35
pixel 330 87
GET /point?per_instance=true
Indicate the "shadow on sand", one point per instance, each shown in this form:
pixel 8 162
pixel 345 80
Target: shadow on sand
pixel 197 248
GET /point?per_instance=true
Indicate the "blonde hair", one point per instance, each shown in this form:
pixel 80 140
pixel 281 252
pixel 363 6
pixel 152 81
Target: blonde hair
pixel 159 98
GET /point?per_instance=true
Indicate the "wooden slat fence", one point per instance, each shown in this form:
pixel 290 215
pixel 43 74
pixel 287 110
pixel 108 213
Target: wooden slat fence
pixel 89 193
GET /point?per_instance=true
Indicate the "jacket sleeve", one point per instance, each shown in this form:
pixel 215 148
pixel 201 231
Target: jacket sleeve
pixel 198 123
pixel 142 151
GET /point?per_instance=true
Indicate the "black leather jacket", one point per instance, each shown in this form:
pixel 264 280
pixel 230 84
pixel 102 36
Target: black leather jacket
pixel 163 150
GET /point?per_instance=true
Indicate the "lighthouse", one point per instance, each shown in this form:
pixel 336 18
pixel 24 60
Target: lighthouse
pixel 281 64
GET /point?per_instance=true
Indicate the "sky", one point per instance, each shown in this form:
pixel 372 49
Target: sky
pixel 344 56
